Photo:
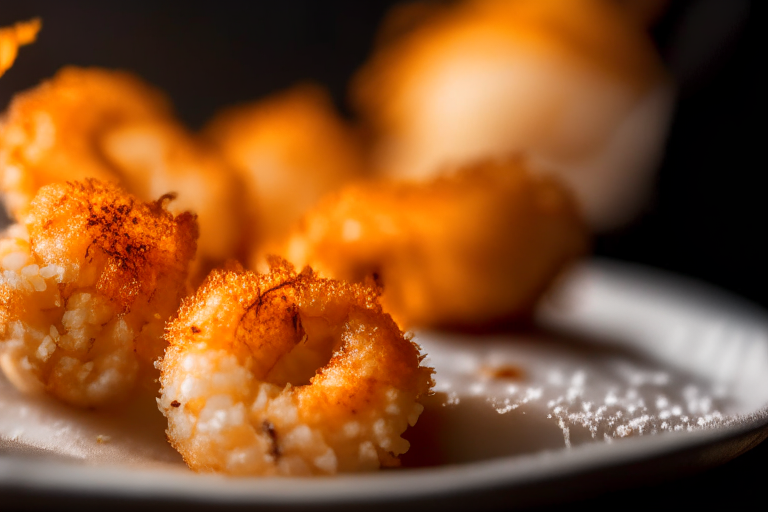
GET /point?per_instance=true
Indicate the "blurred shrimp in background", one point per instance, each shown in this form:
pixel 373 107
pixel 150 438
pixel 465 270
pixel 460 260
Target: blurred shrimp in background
pixel 20 34
pixel 110 125
pixel 475 250
pixel 290 149
pixel 573 89
pixel 575 86
pixel 576 89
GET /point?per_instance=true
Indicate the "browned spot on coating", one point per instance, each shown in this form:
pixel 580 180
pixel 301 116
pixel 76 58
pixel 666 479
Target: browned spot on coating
pixel 195 329
pixel 139 244
pixel 9 305
pixel 195 405
pixel 269 428
pixel 296 320
pixel 175 403
pixel 507 371
pixel 165 198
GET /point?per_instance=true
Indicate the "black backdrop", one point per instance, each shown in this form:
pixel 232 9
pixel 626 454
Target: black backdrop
pixel 708 217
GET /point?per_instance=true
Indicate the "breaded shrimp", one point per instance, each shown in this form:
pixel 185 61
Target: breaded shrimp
pixel 110 125
pixel 50 133
pixel 290 149
pixel 87 285
pixel 286 374
pixel 469 250
pixel 156 157
pixel 20 34
pixel 575 84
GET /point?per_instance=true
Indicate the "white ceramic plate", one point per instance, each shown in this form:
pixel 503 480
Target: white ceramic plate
pixel 631 374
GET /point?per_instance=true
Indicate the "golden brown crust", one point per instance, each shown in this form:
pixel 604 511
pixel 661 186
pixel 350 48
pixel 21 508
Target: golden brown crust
pixel 110 125
pixel 262 298
pixel 290 149
pixel 142 242
pixel 8 303
pixel 329 380
pixel 51 133
pixel 594 33
pixel 468 250
pixel 84 300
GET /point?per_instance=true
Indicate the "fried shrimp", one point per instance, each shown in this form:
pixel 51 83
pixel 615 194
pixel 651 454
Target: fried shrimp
pixel 86 287
pixel 156 157
pixel 286 374
pixel 110 125
pixel 290 150
pixel 20 34
pixel 50 133
pixel 575 84
pixel 469 250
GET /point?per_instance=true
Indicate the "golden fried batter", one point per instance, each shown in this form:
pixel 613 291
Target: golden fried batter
pixel 290 149
pixel 109 125
pixel 286 374
pixel 468 250
pixel 50 133
pixel 574 84
pixel 157 157
pixel 84 299
pixel 20 34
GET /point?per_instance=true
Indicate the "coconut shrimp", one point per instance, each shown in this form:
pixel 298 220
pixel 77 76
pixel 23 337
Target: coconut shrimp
pixel 87 285
pixel 476 248
pixel 575 84
pixel 290 149
pixel 286 374
pixel 155 157
pixel 11 38
pixel 112 126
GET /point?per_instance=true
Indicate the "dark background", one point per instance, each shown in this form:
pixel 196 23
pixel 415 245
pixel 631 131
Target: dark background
pixel 708 217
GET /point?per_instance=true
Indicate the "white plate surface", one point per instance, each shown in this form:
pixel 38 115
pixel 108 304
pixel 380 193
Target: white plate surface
pixel 632 374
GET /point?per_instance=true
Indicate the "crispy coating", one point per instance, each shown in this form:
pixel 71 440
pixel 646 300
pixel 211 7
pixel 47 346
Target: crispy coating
pixel 49 133
pixel 286 374
pixel 574 84
pixel 469 250
pixel 86 287
pixel 109 125
pixel 157 157
pixel 290 150
pixel 11 38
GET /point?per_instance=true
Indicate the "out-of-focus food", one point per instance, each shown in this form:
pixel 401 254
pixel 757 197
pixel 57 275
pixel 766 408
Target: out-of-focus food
pixel 468 250
pixel 574 85
pixel 109 125
pixel 20 34
pixel 52 132
pixel 286 374
pixel 290 150
pixel 87 285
